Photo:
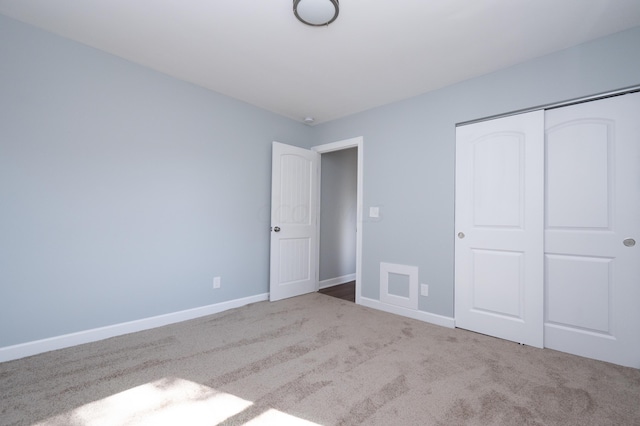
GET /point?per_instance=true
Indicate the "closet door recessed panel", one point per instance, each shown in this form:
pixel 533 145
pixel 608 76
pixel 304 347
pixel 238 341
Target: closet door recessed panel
pixel 498 180
pixel 579 179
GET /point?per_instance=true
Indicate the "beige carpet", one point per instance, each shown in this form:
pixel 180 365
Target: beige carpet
pixel 314 359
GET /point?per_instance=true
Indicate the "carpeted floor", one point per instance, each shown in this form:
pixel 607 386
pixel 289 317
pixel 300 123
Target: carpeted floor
pixel 314 359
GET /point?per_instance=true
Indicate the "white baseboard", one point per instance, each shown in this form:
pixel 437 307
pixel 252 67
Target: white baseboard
pixel 410 313
pixel 337 281
pixel 22 350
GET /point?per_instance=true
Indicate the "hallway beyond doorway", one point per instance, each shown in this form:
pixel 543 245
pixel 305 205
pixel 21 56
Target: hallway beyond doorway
pixel 346 291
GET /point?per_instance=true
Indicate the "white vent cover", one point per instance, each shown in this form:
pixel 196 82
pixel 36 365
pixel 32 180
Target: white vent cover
pixel 405 297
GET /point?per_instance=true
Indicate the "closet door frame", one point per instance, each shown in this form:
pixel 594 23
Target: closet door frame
pixel 472 278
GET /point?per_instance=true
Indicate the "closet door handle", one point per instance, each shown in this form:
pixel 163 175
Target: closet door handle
pixel 629 242
pixel 461 235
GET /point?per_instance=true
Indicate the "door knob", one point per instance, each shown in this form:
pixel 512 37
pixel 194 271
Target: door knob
pixel 629 242
pixel 461 235
pixel 276 229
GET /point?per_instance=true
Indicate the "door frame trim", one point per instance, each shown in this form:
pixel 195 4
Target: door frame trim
pixel 357 142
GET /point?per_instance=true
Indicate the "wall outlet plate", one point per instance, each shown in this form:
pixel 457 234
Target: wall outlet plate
pixel 216 282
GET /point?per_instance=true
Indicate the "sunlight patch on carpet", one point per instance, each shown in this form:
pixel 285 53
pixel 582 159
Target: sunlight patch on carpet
pixel 275 417
pixel 168 401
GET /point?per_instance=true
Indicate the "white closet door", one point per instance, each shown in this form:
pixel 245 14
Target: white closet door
pixel 592 210
pixel 499 228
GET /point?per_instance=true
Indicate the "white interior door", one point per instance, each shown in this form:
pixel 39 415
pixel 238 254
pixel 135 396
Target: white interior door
pixel 592 211
pixel 293 221
pixel 499 226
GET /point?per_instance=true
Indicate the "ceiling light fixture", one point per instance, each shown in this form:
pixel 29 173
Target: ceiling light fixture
pixel 316 12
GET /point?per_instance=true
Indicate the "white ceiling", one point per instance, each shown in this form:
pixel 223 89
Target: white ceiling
pixel 376 52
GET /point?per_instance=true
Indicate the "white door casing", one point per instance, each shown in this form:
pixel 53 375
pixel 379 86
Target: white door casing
pixel 499 227
pixel 358 143
pixel 592 206
pixel 294 198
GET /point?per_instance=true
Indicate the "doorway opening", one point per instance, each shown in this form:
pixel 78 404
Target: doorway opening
pixel 346 291
pixel 340 219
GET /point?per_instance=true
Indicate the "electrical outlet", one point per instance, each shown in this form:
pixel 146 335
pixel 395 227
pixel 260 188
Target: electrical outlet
pixel 216 282
pixel 424 289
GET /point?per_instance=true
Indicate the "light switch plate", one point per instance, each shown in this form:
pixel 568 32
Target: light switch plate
pixel 374 211
pixel 424 289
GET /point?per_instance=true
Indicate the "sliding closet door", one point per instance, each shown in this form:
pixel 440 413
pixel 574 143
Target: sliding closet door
pixel 592 220
pixel 499 228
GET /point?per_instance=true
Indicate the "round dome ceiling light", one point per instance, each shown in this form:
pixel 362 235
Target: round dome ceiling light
pixel 316 13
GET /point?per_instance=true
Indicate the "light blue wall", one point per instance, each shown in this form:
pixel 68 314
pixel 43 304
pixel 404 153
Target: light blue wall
pixel 409 153
pixel 338 213
pixel 123 191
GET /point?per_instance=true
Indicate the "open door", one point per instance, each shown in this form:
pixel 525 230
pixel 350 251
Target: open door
pixel 294 199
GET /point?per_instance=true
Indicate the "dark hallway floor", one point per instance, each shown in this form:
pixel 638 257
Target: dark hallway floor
pixel 345 291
